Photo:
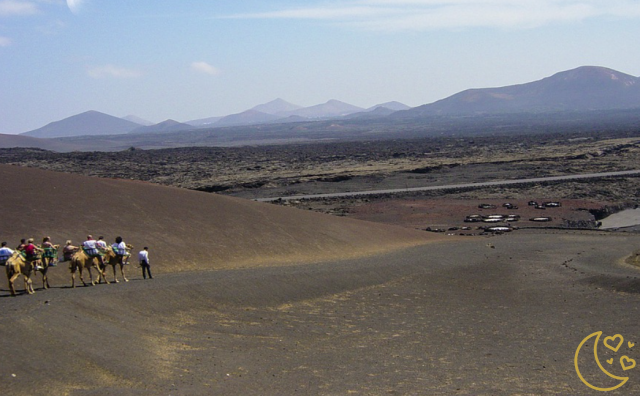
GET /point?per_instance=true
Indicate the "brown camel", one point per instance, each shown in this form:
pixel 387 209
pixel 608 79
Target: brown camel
pixel 17 265
pixel 111 258
pixel 49 257
pixel 81 261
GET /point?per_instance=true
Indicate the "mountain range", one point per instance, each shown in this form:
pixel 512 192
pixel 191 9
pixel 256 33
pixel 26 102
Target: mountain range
pixel 586 88
pixel 94 123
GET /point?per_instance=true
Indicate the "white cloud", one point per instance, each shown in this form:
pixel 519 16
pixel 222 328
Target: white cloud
pixel 75 6
pixel 204 67
pixel 112 71
pixel 5 41
pixel 17 7
pixel 419 15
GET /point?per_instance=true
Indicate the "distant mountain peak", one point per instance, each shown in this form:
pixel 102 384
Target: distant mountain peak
pixel 395 106
pixel 584 88
pixel 595 73
pixel 276 106
pixel 331 108
pixel 247 117
pixel 163 127
pixel 90 122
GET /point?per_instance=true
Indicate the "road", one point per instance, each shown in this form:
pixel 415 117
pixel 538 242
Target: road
pixel 456 186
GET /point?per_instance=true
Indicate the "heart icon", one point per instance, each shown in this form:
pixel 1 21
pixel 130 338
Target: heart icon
pixel 632 363
pixel 631 344
pixel 610 361
pixel 607 339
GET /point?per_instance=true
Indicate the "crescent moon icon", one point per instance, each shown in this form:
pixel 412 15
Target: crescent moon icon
pixel 597 334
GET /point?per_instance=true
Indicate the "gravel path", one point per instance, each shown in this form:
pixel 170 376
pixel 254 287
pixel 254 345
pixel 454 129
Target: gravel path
pixel 500 315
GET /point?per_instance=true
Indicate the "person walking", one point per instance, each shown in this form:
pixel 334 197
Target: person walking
pixel 143 258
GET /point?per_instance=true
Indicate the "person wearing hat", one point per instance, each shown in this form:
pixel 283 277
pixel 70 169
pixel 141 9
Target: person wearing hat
pixel 143 258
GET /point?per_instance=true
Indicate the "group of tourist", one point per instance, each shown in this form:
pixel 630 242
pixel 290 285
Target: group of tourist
pixel 92 247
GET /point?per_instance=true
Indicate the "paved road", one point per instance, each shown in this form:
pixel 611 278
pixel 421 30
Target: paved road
pixel 456 186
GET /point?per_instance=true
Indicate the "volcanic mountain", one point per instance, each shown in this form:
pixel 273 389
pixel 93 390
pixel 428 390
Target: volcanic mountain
pixel 583 89
pixel 247 118
pixel 393 106
pixel 276 106
pixel 332 108
pixel 184 229
pixel 163 127
pixel 87 123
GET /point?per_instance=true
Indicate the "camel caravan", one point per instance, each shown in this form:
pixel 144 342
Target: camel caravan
pixel 28 259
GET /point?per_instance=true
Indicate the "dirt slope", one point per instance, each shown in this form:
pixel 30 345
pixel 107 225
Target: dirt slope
pixel 184 229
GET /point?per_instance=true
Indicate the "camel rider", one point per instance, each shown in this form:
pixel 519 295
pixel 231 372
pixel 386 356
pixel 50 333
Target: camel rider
pixel 22 245
pixel 120 249
pixel 49 251
pixel 5 253
pixel 101 244
pixel 90 247
pixel 31 252
pixel 68 250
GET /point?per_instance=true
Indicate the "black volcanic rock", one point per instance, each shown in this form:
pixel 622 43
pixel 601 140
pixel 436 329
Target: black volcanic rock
pixel 583 89
pixel 87 123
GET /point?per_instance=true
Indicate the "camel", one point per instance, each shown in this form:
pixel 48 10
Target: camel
pixel 49 257
pixel 111 258
pixel 81 261
pixel 17 265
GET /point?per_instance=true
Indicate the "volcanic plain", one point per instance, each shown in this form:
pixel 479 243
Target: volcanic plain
pixel 255 298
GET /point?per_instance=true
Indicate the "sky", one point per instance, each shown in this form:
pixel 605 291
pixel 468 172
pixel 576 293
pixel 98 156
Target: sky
pixel 191 59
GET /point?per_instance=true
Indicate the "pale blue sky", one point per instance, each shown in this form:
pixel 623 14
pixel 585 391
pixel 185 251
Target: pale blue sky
pixel 160 59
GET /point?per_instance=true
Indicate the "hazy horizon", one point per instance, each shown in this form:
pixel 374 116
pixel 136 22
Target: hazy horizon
pixel 192 60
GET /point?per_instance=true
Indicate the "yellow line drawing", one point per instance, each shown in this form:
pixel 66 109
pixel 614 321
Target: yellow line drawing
pixel 628 359
pixel 607 339
pixel 595 355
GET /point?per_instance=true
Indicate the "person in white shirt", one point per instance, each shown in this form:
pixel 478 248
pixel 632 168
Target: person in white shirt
pixel 100 243
pixel 90 247
pixel 120 248
pixel 143 258
pixel 5 253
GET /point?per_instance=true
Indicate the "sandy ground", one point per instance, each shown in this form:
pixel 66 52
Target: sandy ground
pixel 445 213
pixel 499 315
pixel 626 218
pixel 257 299
pixel 185 230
